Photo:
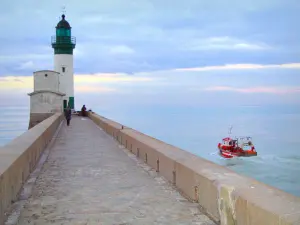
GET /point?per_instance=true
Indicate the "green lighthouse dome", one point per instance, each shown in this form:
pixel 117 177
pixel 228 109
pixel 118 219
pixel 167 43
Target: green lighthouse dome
pixel 63 42
pixel 63 23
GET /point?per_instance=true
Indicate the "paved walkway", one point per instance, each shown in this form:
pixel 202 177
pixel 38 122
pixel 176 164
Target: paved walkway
pixel 89 179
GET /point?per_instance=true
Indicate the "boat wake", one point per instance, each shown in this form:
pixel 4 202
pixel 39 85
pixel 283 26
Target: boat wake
pixel 254 163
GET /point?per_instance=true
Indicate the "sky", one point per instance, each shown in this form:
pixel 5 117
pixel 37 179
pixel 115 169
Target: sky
pixel 182 53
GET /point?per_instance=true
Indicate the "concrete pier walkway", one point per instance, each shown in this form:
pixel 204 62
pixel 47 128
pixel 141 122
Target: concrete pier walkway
pixel 89 179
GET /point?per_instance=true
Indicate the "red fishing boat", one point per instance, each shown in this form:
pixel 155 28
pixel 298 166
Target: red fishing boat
pixel 237 147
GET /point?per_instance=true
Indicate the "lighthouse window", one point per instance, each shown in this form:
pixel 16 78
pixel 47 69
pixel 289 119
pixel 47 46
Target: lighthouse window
pixel 63 69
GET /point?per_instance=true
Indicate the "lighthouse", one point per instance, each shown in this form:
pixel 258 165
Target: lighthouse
pixel 53 90
pixel 64 44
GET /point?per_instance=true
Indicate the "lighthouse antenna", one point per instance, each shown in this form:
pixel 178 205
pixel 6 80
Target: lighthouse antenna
pixel 229 132
pixel 63 10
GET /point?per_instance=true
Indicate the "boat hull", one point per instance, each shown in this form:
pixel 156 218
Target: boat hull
pixel 230 152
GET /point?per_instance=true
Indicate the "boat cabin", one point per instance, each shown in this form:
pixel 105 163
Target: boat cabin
pixel 242 142
pixel 245 141
pixel 229 141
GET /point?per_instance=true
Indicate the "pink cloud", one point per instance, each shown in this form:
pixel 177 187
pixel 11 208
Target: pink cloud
pixel 242 67
pixel 93 89
pixel 267 90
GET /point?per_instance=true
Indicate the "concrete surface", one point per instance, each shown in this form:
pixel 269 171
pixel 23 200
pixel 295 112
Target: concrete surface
pixel 36 118
pixel 89 179
pixel 46 80
pixel 229 198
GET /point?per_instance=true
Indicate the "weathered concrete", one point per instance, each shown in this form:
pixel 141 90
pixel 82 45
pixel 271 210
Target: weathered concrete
pixel 46 99
pixel 36 118
pixel 18 159
pixel 228 197
pixel 89 179
pixel 46 80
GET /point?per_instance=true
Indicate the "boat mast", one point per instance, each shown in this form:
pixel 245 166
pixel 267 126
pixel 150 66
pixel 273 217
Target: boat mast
pixel 229 132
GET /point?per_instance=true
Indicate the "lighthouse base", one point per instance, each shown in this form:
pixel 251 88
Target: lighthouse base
pixel 36 118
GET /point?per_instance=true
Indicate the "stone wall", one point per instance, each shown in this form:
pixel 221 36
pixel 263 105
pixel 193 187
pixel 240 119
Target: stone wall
pixel 36 118
pixel 46 80
pixel 229 198
pixel 46 102
pixel 19 157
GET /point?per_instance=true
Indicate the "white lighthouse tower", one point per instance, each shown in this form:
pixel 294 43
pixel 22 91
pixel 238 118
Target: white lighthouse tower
pixel 63 44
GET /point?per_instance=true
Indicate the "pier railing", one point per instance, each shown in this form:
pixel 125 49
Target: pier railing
pixel 19 158
pixel 61 40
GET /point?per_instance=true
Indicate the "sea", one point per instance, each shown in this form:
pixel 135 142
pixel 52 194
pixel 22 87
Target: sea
pixel 198 129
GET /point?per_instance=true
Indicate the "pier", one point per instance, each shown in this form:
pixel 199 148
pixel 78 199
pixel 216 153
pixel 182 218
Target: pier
pixel 89 179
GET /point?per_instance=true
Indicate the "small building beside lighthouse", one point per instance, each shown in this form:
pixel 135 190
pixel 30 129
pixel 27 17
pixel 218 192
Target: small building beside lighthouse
pixel 46 99
pixel 54 89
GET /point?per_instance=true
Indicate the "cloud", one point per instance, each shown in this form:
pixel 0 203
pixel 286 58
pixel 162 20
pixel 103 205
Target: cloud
pixel 82 82
pixel 256 90
pixel 121 49
pixel 25 57
pixel 103 19
pixel 110 78
pixel 242 67
pixel 27 65
pixel 169 87
pixel 110 38
pixel 224 43
pixel 93 89
pixel 221 75
pixel 151 54
pixel 16 83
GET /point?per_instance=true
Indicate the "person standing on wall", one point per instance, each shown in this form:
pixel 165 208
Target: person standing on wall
pixel 68 114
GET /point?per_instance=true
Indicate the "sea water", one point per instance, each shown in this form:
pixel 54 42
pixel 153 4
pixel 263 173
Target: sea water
pixel 14 121
pixel 274 129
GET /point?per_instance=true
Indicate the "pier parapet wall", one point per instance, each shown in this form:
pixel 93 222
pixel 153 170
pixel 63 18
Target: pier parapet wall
pixel 227 197
pixel 19 158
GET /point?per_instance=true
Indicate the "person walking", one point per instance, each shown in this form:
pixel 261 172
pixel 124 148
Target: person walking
pixel 68 115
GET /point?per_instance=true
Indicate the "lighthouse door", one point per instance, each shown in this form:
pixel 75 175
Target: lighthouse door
pixel 65 104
